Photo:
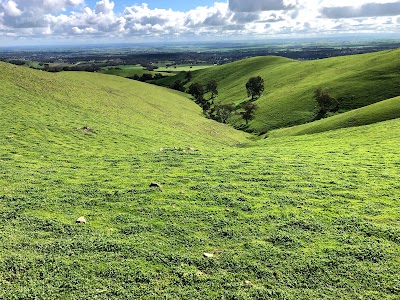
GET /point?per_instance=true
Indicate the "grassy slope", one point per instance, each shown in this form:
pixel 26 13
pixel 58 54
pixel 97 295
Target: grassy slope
pixel 357 81
pixel 377 112
pixel 53 105
pixel 309 217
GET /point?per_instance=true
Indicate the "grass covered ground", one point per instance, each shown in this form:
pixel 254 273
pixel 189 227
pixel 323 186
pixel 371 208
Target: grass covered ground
pixel 374 113
pixel 308 217
pixel 356 81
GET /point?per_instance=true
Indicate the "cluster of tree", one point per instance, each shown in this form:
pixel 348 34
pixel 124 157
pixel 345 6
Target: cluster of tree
pixel 178 85
pixel 146 77
pixel 84 68
pixel 16 62
pixel 81 68
pixel 222 112
pixel 148 66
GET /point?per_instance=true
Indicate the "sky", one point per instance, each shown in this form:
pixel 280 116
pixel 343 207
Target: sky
pixel 25 22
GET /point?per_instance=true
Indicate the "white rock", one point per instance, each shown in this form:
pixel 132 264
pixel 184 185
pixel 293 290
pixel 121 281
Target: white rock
pixel 81 220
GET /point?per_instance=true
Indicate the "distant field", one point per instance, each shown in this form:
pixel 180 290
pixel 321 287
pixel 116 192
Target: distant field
pixel 184 68
pixel 129 71
pixel 304 217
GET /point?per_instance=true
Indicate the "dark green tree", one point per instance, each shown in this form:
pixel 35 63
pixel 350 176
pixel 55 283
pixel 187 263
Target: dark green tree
pixel 222 112
pixel 255 87
pixel 188 76
pixel 248 112
pixel 197 91
pixel 325 102
pixel 212 86
pixel 178 85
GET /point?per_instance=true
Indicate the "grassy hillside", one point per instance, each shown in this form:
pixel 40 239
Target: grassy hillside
pixel 307 217
pixel 55 107
pixel 378 112
pixel 356 81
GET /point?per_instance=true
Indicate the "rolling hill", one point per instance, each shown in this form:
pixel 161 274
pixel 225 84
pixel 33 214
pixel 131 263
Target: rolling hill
pixel 374 113
pixel 356 81
pixel 57 108
pixel 294 217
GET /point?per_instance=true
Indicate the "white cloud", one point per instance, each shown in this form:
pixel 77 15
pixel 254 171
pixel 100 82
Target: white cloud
pixel 261 5
pixel 104 7
pixel 360 11
pixel 11 9
pixel 70 18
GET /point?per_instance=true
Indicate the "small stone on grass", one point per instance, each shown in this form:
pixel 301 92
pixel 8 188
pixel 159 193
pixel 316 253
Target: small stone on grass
pixel 156 185
pixel 81 220
pixel 247 282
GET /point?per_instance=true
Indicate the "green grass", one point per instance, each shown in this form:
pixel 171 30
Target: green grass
pixel 378 112
pixel 305 217
pixel 356 81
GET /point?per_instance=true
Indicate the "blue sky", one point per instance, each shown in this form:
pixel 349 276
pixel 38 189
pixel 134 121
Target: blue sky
pixel 179 5
pixel 94 21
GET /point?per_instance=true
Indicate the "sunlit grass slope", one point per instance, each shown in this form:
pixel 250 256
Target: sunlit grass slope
pixel 377 112
pixel 305 217
pixel 54 108
pixel 356 81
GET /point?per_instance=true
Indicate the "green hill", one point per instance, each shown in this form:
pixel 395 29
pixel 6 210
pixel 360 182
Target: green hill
pixel 56 107
pixel 356 81
pixel 378 112
pixel 304 217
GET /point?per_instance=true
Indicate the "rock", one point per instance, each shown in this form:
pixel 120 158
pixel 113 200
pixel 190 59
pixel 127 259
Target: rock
pixel 190 149
pixel 208 255
pixel 247 282
pixel 81 220
pixel 156 185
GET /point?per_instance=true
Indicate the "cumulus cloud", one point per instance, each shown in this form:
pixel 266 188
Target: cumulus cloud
pixel 32 14
pixel 365 10
pixel 260 5
pixel 11 9
pixel 105 7
pixel 71 18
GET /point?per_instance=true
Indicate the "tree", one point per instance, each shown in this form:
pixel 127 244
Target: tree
pixel 212 86
pixel 325 101
pixel 221 113
pixel 146 77
pixel 158 76
pixel 178 85
pixel 254 87
pixel 188 76
pixel 197 91
pixel 249 110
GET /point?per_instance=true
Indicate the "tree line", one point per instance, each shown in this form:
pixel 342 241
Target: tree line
pixel 255 86
pixel 222 112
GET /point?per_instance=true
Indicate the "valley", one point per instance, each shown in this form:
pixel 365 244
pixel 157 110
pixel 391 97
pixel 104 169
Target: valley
pixel 304 212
